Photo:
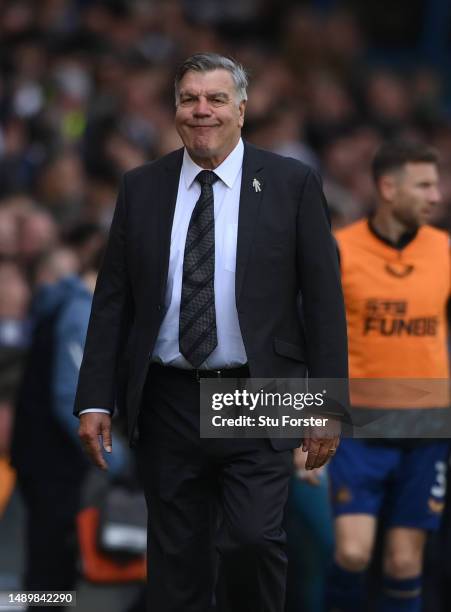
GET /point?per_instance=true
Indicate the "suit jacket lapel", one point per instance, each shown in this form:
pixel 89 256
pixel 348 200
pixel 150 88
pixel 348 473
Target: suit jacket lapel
pixel 250 199
pixel 167 200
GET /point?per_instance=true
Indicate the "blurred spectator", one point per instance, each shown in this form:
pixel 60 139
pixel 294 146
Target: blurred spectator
pixel 85 239
pixel 280 130
pixel 54 264
pixel 330 104
pixel 61 187
pixel 14 302
pixel 309 526
pixel 101 192
pixel 46 450
pixel 8 234
pixel 389 102
pixel 13 306
pixel 5 427
pixel 37 232
pixel 11 366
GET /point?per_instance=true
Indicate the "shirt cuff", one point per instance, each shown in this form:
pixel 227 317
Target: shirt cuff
pixel 94 410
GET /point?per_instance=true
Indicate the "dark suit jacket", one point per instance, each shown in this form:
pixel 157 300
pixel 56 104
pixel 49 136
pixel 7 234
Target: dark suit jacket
pixel 284 248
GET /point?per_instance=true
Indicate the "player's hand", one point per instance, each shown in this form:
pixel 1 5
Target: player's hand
pixel 321 443
pixel 95 432
pixel 312 477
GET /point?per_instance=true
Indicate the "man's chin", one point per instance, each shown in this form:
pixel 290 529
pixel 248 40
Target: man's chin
pixel 202 155
pixel 202 150
pixel 422 220
pixel 414 226
pixel 427 218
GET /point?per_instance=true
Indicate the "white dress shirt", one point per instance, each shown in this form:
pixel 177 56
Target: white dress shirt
pixel 226 191
pixel 230 351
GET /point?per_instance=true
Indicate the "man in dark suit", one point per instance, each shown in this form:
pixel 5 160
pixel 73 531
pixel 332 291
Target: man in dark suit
pixel 210 248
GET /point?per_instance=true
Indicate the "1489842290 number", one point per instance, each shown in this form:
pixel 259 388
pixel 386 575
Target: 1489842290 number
pixel 38 598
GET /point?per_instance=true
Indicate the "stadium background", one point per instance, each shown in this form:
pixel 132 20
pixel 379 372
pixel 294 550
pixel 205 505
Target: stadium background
pixel 86 94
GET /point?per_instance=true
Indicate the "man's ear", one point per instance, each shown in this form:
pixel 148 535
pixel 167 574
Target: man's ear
pixel 241 108
pixel 387 187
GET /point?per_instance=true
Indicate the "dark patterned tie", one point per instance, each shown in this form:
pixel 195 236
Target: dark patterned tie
pixel 197 332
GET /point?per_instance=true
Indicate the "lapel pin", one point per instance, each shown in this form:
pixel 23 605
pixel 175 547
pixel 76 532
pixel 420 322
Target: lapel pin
pixel 256 185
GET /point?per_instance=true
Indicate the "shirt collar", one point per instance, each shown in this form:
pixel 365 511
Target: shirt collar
pixel 227 171
pixel 403 241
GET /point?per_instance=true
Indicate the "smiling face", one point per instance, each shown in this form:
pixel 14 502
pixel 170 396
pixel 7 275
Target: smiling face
pixel 208 116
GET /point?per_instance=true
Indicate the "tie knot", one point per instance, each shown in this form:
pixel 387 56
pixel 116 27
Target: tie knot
pixel 207 177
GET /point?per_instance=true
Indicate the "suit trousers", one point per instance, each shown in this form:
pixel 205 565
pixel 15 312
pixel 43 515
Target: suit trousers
pixel 215 536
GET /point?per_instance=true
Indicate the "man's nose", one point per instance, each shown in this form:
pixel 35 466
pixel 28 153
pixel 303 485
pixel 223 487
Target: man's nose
pixel 435 195
pixel 202 108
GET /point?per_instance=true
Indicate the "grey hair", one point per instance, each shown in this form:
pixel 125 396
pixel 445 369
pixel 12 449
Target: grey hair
pixel 205 62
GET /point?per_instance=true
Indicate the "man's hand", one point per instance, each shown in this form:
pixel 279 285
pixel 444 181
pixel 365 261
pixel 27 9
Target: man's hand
pixel 321 444
pixel 312 477
pixel 95 431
